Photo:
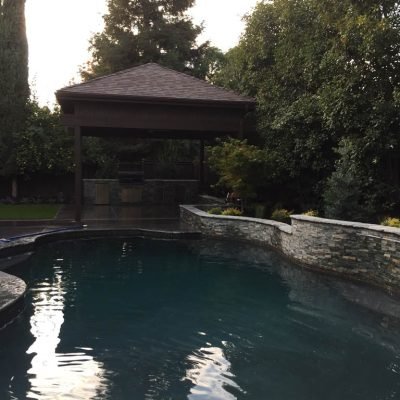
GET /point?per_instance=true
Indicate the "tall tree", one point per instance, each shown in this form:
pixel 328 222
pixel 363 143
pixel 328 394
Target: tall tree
pixel 14 86
pixel 323 71
pixel 141 31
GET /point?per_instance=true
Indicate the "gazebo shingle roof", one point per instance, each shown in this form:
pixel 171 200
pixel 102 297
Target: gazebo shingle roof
pixel 154 82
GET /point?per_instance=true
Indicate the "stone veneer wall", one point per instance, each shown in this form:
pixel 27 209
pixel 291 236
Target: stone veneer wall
pixel 370 253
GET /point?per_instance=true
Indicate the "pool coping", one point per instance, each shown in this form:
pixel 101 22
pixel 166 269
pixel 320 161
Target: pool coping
pixel 14 251
pixel 12 294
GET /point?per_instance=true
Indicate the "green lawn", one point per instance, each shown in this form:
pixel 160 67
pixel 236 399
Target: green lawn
pixel 28 211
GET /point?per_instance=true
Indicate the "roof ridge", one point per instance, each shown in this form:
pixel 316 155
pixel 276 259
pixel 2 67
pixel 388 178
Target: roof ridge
pixel 203 81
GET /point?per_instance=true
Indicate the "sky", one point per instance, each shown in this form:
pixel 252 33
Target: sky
pixel 59 32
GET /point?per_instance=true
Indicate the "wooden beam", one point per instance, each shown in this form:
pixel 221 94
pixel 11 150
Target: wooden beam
pixel 151 134
pixel 78 174
pixel 172 118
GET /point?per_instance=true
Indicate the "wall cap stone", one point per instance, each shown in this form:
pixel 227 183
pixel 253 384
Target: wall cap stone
pixel 288 228
pixel 361 225
pixel 195 210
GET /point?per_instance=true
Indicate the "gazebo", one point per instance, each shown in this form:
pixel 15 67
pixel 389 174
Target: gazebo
pixel 150 101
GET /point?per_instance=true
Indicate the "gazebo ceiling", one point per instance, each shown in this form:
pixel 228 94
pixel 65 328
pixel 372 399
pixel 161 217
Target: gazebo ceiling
pixel 154 99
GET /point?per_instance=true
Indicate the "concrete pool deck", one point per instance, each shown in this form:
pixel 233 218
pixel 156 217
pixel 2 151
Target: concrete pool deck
pixel 138 216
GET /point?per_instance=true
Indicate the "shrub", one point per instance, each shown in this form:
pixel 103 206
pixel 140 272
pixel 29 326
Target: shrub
pixel 215 211
pixel 241 167
pixel 393 222
pixel 281 215
pixel 311 213
pixel 343 192
pixel 234 212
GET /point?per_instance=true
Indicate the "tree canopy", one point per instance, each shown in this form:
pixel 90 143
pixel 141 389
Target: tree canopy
pixel 141 31
pixel 44 146
pixel 323 71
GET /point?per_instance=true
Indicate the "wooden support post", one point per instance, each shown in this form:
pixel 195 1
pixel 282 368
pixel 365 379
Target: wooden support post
pixel 78 174
pixel 201 164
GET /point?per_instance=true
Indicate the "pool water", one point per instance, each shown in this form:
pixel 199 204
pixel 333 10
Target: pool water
pixel 151 319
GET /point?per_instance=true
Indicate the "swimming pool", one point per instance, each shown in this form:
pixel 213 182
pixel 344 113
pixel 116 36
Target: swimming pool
pixel 155 319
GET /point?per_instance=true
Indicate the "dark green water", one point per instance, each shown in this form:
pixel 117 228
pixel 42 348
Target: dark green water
pixel 141 319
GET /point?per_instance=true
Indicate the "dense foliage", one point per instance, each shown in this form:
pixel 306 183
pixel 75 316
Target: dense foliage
pixel 14 87
pixel 43 146
pixel 141 31
pixel 323 72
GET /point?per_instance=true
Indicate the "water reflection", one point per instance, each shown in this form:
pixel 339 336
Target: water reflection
pixel 54 375
pixel 210 374
pixel 148 320
pixel 321 297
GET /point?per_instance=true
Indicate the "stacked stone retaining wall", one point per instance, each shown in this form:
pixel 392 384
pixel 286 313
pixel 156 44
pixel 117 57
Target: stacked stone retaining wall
pixel 370 253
